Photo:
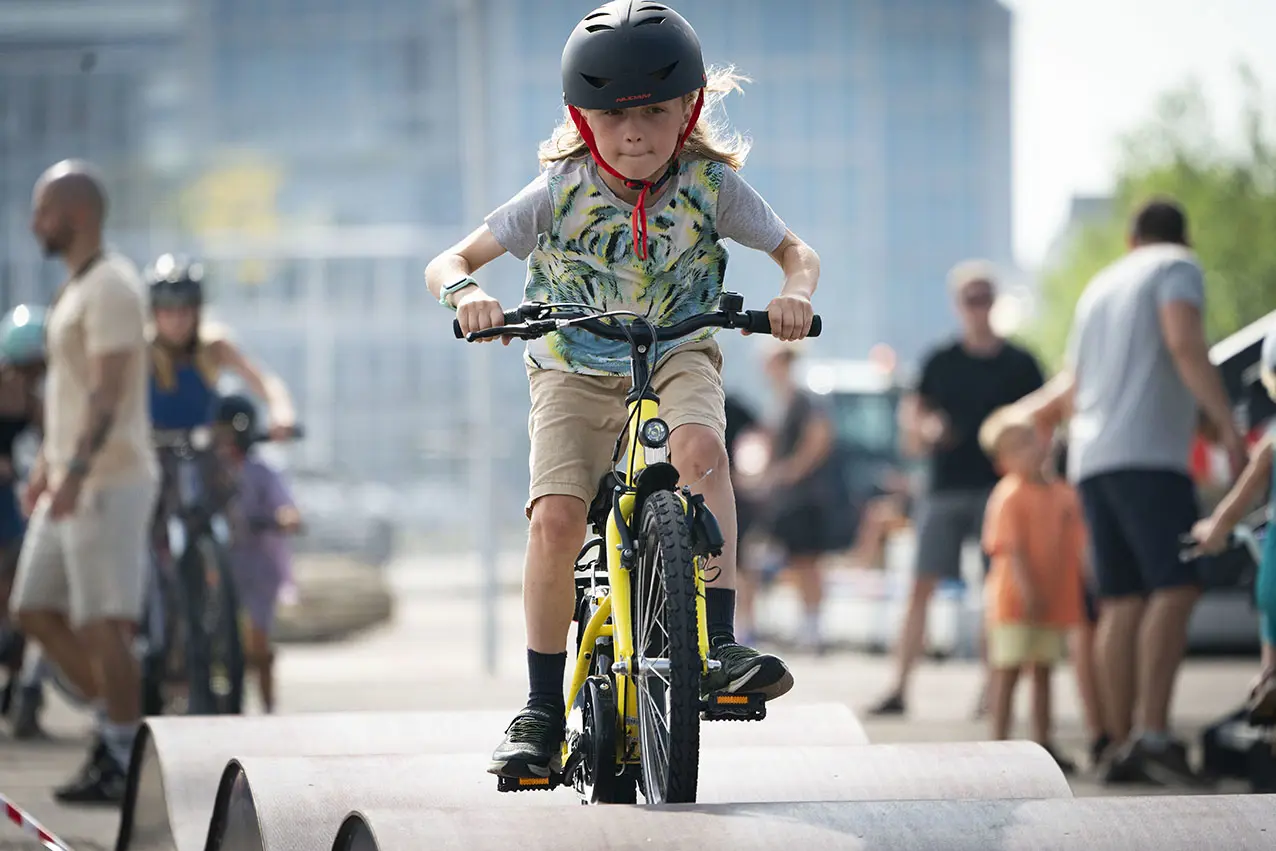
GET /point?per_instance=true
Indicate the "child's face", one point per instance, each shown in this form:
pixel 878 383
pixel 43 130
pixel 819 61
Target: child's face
pixel 227 448
pixel 175 325
pixel 1022 451
pixel 639 141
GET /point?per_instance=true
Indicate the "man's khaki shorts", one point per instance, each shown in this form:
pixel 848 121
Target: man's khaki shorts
pixel 575 419
pixel 92 565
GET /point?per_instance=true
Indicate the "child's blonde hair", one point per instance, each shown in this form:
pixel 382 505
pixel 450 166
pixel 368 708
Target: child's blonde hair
pixel 1002 423
pixel 709 139
pixel 1268 376
pixel 164 365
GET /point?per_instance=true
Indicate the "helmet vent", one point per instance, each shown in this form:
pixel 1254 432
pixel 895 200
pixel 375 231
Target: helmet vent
pixel 663 73
pixel 645 21
pixel 653 7
pixel 595 28
pixel 596 82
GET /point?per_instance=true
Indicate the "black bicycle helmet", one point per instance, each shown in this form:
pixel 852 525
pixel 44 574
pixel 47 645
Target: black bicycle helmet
pixel 240 414
pixel 629 53
pixel 175 282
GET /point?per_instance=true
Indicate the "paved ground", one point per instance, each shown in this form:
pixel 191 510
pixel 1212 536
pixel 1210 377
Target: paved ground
pixel 430 657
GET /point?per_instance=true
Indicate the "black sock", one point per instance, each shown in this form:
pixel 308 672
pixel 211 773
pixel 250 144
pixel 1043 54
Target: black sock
pixel 719 609
pixel 545 673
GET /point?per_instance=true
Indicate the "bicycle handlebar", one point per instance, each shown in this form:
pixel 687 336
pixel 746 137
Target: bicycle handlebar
pixel 529 321
pixel 200 437
pixel 1240 536
pixel 295 432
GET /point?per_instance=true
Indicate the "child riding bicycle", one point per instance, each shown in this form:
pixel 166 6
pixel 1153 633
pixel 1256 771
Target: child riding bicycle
pixel 261 515
pixel 1211 536
pixel 637 190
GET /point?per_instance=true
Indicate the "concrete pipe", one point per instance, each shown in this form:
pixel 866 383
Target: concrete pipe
pixel 179 761
pixel 262 801
pixel 1153 823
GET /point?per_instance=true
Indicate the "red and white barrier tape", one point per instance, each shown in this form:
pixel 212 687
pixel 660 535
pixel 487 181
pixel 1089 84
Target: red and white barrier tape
pixel 31 827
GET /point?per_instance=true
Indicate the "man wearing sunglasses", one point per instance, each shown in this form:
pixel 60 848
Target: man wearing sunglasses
pixel 962 382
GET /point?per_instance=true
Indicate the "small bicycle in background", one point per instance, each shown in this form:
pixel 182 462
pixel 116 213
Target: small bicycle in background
pixel 190 647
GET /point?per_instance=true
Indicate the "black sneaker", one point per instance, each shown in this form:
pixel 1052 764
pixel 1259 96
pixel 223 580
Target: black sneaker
pixel 1098 749
pixel 26 713
pixel 1168 765
pixel 100 781
pixel 744 669
pixel 533 745
pixel 1125 765
pixel 1262 704
pixel 892 704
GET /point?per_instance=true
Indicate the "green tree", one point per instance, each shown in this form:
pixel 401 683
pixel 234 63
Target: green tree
pixel 1230 197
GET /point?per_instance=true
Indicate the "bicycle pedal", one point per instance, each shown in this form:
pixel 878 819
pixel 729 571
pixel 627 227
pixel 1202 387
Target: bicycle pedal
pixel 528 784
pixel 725 706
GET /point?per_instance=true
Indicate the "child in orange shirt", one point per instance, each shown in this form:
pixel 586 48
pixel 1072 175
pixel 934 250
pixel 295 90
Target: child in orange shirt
pixel 1035 537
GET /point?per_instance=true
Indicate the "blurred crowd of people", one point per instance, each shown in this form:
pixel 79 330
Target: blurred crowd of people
pixel 1077 489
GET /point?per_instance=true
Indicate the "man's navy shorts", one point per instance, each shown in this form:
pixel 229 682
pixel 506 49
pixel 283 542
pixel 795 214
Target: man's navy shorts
pixel 1135 520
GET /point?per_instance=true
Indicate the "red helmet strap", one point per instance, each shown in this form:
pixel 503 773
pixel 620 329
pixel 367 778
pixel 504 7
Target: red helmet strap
pixel 644 187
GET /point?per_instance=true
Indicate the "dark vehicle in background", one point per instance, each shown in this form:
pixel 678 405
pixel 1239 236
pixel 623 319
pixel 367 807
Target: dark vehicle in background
pixel 863 397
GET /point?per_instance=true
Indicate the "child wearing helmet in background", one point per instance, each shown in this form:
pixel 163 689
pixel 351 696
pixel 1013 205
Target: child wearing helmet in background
pixel 637 190
pixel 22 361
pixel 1211 536
pixel 261 516
pixel 189 354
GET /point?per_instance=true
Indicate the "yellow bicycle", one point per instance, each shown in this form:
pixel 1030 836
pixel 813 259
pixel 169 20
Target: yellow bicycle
pixel 636 699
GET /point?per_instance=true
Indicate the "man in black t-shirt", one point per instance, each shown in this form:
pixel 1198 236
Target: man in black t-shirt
pixel 804 499
pixel 961 383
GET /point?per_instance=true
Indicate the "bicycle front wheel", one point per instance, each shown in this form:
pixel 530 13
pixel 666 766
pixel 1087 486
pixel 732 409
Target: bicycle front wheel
pixel 222 625
pixel 667 653
pixel 214 654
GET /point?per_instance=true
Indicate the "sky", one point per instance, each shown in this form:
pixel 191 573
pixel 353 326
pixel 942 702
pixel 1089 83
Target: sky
pixel 1085 71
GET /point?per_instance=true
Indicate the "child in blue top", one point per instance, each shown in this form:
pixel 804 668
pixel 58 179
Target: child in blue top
pixel 1212 532
pixel 638 189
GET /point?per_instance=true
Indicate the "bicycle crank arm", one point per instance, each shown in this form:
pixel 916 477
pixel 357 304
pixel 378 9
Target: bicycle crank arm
pixel 646 667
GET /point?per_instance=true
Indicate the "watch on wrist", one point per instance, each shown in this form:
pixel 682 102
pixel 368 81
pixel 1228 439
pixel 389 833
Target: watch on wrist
pixel 455 287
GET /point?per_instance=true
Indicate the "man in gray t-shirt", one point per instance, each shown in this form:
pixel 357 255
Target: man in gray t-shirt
pixel 1137 379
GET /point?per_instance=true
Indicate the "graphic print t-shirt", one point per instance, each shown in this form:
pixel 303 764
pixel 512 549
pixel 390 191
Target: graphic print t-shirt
pixel 577 238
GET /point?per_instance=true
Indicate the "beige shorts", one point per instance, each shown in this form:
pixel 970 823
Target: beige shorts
pixel 92 565
pixel 575 419
pixel 1011 645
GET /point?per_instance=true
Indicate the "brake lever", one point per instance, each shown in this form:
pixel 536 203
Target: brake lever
pixel 533 328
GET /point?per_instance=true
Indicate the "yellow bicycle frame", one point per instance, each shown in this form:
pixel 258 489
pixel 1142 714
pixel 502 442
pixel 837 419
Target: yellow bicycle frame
pixel 615 605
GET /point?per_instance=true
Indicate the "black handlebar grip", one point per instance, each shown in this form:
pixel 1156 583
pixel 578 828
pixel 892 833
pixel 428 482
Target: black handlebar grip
pixel 760 323
pixel 295 432
pixel 512 317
